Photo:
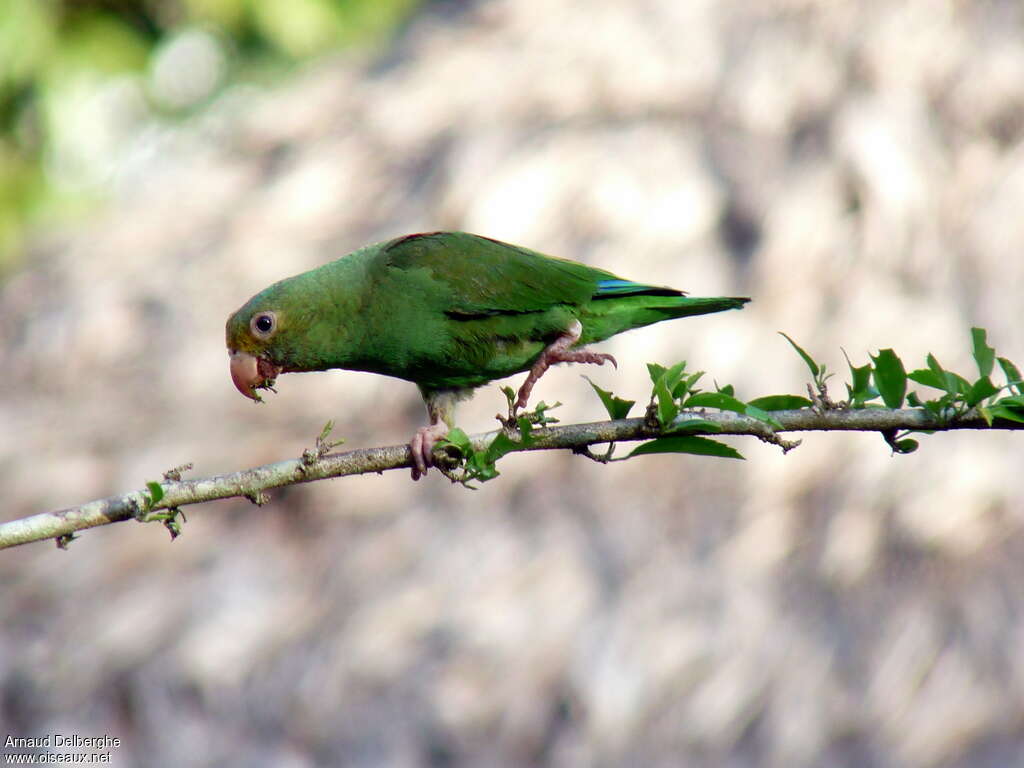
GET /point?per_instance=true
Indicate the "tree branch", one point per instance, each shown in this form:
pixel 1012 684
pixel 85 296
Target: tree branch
pixel 251 483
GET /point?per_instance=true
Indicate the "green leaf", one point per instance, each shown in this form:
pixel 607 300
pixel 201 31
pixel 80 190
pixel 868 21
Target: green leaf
pixel 539 415
pixel 780 402
pixel 728 389
pixel 905 446
pixel 935 376
pixel 939 408
pixel 999 411
pixel 756 413
pixel 985 414
pixel 813 366
pixel 511 396
pixel 928 377
pixel 655 371
pixel 674 375
pixel 984 355
pixel 686 385
pixel 667 408
pixel 665 382
pixel 500 445
pixel 982 388
pixel 726 402
pixel 862 381
pixel 957 384
pixel 480 465
pixel 700 446
pixel 477 468
pixel 156 492
pixel 692 425
pixel 859 390
pixel 953 383
pixel 458 439
pixel 719 400
pixel 617 407
pixel 890 378
pixel 1013 377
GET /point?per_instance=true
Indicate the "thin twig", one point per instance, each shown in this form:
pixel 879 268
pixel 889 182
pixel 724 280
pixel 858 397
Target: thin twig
pixel 252 483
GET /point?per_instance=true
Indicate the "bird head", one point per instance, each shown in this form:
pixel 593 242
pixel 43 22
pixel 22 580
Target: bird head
pixel 260 340
pixel 250 346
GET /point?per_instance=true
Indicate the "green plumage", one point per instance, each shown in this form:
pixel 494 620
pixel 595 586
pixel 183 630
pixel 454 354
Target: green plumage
pixel 447 310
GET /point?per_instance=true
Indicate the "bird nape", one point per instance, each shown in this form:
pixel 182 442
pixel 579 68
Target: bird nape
pixel 448 311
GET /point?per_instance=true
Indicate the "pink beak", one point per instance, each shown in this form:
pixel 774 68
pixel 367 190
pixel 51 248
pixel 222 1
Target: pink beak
pixel 250 373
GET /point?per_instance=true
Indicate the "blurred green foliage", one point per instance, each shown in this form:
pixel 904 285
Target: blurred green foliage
pixel 78 77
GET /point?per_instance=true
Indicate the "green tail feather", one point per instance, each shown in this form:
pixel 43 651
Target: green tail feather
pixel 606 317
pixel 685 306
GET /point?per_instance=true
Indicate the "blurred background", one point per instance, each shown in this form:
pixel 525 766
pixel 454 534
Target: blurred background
pixel 856 167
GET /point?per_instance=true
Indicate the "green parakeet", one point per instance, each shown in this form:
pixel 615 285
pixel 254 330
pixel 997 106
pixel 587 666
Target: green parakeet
pixel 448 311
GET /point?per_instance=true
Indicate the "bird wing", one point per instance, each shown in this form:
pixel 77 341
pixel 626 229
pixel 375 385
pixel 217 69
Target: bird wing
pixel 485 277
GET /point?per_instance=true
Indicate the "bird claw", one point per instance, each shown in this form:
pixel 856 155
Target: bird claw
pixel 558 352
pixel 422 447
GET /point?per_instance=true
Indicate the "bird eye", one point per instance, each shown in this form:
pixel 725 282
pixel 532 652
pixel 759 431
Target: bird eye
pixel 263 324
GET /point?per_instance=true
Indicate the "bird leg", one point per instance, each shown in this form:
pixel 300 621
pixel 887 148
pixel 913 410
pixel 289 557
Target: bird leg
pixel 560 351
pixel 441 412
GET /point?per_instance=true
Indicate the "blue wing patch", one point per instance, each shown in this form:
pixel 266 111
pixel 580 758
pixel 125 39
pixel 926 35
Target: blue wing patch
pixel 615 288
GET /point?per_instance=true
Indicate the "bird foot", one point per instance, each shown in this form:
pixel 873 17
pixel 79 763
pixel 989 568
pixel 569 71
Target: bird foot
pixel 422 446
pixel 559 351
